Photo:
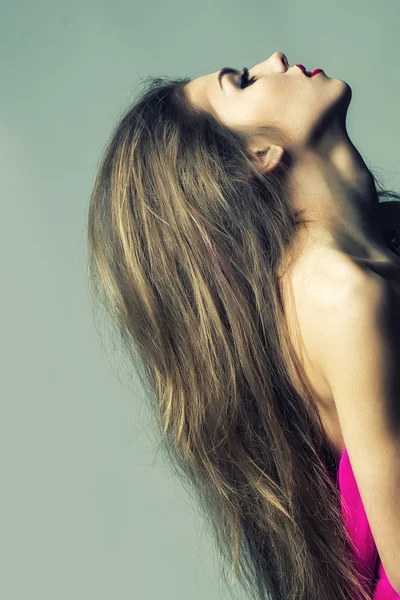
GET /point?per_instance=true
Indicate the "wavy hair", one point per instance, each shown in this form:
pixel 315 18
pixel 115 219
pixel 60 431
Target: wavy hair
pixel 185 244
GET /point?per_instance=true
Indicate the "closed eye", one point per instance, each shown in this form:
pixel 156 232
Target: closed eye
pixel 244 79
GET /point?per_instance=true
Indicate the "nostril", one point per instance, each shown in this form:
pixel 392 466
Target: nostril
pixel 285 61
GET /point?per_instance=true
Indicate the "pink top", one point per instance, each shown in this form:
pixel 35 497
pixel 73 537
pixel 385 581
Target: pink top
pixel 357 525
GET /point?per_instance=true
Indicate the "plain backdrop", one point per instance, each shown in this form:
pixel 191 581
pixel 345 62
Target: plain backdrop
pixel 87 510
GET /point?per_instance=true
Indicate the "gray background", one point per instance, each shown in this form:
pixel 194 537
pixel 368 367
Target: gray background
pixel 87 510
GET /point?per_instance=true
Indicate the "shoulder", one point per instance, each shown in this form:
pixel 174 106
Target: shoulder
pixel 353 318
pixel 354 307
pixel 325 277
pixel 359 342
pixel 336 294
pixel 336 301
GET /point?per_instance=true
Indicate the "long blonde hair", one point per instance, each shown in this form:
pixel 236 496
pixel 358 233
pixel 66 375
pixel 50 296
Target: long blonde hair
pixel 183 253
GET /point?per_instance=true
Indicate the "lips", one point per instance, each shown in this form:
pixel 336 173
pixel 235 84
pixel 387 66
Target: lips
pixel 309 73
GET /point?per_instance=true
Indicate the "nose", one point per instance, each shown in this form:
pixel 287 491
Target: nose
pixel 279 62
pixel 282 58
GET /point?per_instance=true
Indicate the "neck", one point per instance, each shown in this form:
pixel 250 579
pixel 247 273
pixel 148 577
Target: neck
pixel 334 187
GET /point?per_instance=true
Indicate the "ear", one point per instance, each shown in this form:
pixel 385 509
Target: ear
pixel 266 160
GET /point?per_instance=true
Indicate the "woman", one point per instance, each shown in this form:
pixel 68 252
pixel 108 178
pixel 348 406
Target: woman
pixel 235 239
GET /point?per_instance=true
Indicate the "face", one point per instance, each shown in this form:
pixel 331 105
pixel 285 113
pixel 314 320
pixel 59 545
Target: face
pixel 277 94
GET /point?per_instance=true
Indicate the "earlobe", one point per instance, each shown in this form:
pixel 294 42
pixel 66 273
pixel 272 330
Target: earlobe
pixel 266 160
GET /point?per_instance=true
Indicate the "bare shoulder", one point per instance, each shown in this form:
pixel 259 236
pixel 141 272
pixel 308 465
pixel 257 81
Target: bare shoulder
pixel 352 318
pixel 337 299
pixel 351 306
pixel 325 276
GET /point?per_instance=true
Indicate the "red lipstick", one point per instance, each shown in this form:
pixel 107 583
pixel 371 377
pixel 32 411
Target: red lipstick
pixel 309 73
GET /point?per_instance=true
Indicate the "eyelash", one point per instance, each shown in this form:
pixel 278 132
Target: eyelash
pixel 244 79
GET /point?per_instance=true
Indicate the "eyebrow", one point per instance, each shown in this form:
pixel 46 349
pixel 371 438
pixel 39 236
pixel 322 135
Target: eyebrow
pixel 226 71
